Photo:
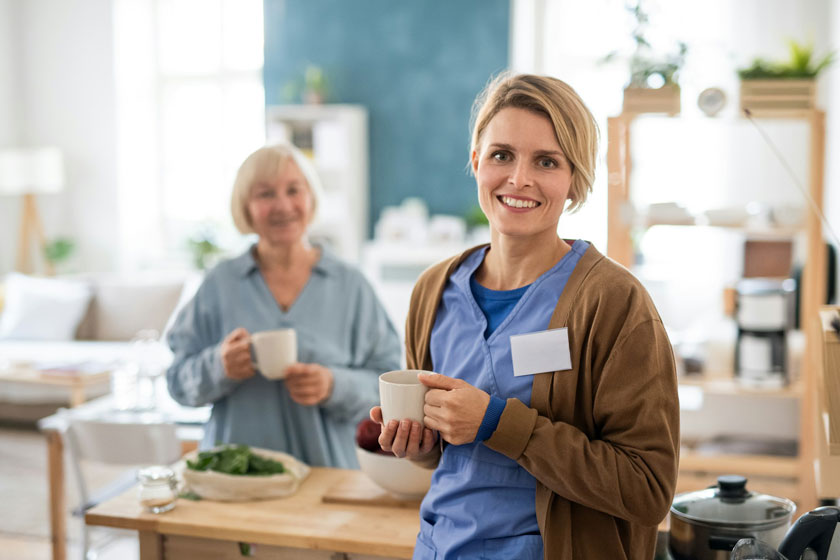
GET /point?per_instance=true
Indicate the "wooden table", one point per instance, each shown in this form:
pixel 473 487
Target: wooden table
pixel 190 421
pixel 301 526
pixel 76 382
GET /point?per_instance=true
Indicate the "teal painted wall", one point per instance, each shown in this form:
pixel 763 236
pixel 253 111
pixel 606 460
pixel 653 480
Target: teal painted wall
pixel 415 64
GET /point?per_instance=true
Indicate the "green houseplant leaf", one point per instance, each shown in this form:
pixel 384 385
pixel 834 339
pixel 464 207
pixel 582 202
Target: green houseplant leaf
pixel 800 64
pixel 59 250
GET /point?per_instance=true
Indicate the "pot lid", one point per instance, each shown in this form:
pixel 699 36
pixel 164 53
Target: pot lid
pixel 729 502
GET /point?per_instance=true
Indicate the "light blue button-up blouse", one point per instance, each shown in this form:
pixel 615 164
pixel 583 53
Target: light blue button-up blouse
pixel 340 324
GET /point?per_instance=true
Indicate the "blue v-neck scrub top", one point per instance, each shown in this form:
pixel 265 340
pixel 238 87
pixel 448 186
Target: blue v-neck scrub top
pixel 482 504
pixel 340 324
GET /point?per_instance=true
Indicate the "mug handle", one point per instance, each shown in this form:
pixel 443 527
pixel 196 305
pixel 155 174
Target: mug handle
pixel 254 363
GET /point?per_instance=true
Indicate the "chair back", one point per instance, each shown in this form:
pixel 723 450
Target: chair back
pixel 124 443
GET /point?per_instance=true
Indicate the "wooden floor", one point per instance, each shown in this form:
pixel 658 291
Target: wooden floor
pixel 24 525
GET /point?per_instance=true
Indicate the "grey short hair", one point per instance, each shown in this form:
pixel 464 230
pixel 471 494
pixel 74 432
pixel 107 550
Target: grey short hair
pixel 263 165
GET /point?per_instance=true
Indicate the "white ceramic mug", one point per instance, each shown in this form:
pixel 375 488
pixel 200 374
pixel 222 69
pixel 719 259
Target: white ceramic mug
pixel 274 351
pixel 402 395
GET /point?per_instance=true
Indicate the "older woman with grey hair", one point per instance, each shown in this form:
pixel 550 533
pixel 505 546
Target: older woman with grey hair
pixel 345 339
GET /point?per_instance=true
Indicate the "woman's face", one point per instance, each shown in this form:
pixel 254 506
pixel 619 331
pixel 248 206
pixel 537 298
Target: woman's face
pixel 522 174
pixel 281 208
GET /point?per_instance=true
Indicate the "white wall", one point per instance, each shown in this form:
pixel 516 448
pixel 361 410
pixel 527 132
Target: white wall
pixel 8 73
pixel 9 129
pixel 61 86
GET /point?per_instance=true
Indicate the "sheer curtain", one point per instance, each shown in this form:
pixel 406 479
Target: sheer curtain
pixel 190 106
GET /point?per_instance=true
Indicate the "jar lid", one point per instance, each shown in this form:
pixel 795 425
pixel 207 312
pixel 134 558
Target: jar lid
pixel 155 474
pixel 730 503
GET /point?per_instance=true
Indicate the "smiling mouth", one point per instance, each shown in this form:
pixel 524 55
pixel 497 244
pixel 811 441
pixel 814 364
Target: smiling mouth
pixel 517 202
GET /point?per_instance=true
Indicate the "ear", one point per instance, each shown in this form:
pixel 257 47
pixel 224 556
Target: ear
pixel 474 161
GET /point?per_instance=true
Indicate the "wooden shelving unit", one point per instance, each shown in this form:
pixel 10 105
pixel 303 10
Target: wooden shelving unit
pixel 787 476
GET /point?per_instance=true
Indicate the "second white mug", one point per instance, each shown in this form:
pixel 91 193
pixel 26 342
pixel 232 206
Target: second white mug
pixel 274 351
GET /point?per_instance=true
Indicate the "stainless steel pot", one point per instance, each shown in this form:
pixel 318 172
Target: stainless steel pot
pixel 705 525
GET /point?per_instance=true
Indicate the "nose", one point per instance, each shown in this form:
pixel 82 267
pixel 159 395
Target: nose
pixel 282 203
pixel 520 176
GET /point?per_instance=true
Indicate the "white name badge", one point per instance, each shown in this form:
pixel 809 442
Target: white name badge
pixel 540 352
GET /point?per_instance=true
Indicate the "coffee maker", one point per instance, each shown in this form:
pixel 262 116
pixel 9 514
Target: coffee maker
pixel 764 313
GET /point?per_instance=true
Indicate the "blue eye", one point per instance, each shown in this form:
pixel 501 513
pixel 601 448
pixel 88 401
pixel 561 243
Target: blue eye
pixel 547 163
pixel 500 156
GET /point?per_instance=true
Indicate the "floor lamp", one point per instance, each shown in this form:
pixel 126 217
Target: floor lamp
pixel 29 172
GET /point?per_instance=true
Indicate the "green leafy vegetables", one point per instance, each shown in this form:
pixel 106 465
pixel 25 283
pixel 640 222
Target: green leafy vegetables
pixel 236 460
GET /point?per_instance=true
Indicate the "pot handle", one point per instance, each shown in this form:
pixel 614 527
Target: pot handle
pixel 721 542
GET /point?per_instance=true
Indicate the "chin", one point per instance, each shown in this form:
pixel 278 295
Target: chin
pixel 284 240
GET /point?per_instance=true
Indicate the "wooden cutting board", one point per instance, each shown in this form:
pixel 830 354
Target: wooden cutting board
pixel 356 488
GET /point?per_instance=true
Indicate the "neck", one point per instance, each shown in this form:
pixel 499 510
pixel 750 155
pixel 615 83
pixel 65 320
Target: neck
pixel 513 262
pixel 283 257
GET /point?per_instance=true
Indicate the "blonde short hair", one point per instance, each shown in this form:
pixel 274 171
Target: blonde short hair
pixel 574 125
pixel 264 165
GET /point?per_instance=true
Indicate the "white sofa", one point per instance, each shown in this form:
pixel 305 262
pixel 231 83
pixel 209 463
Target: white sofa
pixel 85 321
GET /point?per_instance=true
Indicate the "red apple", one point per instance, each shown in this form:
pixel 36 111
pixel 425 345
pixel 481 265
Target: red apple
pixel 367 435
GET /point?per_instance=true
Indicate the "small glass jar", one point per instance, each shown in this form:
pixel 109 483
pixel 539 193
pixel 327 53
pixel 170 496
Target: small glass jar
pixel 158 488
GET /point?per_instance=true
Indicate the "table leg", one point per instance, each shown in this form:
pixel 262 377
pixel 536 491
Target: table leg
pixel 55 473
pixel 77 395
pixel 151 545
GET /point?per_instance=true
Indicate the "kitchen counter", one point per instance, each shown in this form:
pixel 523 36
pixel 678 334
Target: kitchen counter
pixel 299 526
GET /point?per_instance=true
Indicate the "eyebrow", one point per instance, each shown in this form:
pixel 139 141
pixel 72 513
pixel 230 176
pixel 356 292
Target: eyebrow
pixel 555 153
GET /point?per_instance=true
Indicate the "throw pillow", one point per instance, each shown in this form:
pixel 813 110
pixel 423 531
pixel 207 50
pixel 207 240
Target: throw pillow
pixel 42 308
pixel 123 307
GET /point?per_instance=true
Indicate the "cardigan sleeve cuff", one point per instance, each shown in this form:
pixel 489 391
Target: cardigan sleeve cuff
pixel 514 430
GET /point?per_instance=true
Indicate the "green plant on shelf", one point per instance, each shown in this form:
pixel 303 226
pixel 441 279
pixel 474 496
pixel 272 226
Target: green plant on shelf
pixel 649 68
pixel 312 87
pixel 801 64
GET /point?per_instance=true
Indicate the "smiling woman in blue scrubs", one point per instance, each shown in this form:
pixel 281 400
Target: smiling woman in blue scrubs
pixel 552 420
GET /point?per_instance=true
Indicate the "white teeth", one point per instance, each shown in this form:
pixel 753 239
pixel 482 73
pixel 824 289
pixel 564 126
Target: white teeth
pixel 518 203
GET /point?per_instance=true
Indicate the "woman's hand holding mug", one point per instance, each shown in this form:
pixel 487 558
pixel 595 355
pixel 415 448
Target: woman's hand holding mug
pixel 454 408
pixel 309 384
pixel 236 355
pixel 404 438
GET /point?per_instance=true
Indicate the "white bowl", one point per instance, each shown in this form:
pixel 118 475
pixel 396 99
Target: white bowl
pixel 213 485
pixel 399 477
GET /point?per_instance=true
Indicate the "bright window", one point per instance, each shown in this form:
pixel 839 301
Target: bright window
pixel 191 107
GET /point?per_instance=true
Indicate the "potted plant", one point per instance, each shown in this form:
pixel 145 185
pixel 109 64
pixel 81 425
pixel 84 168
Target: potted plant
pixel 783 85
pixel 312 87
pixel 203 248
pixel 654 85
pixel 57 252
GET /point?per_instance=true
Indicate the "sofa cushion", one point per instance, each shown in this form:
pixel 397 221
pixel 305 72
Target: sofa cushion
pixel 121 307
pixel 42 308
